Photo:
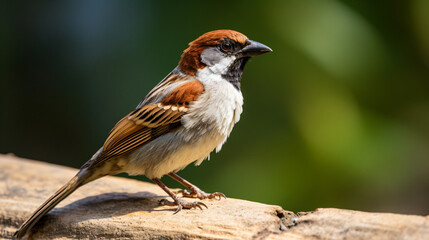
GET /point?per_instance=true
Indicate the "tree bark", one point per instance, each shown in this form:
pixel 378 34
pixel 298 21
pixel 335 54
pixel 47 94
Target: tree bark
pixel 114 207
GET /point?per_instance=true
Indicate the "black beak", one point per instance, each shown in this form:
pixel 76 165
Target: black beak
pixel 254 49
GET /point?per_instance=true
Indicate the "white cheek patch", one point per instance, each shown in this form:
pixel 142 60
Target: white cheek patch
pixel 216 61
pixel 222 66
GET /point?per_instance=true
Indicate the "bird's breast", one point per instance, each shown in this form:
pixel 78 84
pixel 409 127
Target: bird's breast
pixel 217 109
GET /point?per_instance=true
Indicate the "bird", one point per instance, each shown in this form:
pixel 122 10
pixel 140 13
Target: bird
pixel 186 116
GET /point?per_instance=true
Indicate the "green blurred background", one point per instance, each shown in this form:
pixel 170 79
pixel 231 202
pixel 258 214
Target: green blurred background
pixel 336 116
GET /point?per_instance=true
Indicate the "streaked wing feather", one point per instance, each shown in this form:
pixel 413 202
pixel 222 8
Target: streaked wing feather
pixel 134 130
pixel 148 122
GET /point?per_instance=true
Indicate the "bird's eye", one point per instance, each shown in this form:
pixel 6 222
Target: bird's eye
pixel 226 46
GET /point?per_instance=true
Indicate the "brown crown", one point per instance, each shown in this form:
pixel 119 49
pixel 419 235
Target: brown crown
pixel 190 61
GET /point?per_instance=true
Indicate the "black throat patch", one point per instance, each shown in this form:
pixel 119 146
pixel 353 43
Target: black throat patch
pixel 233 75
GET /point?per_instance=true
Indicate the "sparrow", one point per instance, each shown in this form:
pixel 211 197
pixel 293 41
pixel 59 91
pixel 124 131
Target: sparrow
pixel 181 120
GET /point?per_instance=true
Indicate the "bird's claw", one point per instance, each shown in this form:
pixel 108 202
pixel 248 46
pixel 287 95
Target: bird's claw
pixel 182 204
pixel 217 194
pixel 197 193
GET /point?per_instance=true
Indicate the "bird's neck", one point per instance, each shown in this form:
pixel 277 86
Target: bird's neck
pixel 229 69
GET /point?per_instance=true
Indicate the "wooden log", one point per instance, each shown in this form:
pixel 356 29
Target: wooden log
pixel 120 208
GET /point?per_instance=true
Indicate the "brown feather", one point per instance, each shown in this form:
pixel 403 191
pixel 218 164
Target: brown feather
pixel 149 122
pixel 184 94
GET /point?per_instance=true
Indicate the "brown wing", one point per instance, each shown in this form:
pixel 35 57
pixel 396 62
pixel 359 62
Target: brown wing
pixel 149 122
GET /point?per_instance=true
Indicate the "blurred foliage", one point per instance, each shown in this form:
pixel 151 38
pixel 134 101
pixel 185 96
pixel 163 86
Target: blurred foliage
pixel 336 116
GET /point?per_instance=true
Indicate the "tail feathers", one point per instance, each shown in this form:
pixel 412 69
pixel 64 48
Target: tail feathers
pixel 62 193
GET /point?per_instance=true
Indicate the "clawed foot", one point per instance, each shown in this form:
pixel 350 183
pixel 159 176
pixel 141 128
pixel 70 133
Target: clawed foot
pixel 198 193
pixel 182 204
pixel 195 192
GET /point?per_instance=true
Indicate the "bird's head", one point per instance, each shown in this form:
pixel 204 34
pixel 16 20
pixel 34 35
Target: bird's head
pixel 223 52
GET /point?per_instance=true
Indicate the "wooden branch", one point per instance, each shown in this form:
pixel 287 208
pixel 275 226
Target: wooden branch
pixel 114 207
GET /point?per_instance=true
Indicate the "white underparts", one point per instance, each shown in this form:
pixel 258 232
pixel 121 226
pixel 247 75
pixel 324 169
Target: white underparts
pixel 206 125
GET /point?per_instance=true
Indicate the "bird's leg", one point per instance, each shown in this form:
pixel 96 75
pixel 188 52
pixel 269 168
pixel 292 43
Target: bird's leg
pixel 195 191
pixel 177 201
